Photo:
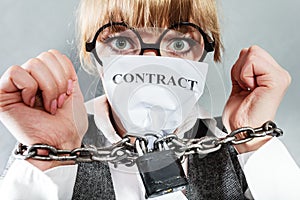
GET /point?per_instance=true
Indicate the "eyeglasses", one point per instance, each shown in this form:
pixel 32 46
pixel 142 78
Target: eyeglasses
pixel 183 40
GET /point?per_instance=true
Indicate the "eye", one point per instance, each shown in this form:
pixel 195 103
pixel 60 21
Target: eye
pixel 117 41
pixel 120 43
pixel 180 45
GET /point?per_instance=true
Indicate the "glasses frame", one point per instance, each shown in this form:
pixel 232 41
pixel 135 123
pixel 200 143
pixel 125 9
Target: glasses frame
pixel 209 43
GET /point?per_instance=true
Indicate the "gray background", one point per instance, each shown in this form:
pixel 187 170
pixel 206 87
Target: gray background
pixel 32 26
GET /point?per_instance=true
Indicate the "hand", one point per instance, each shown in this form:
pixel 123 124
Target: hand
pixel 258 86
pixel 41 102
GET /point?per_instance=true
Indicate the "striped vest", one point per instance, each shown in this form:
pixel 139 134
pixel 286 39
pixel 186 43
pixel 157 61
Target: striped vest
pixel 216 176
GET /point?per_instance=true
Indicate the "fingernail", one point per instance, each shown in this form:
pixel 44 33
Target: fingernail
pixel 70 87
pixel 53 107
pixel 61 100
pixel 32 101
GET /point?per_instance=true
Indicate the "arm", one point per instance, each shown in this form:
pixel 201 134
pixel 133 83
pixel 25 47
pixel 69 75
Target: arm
pixel 271 172
pixel 41 102
pixel 258 86
pixel 25 181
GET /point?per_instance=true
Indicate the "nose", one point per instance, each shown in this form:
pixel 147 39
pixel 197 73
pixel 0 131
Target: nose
pixel 150 52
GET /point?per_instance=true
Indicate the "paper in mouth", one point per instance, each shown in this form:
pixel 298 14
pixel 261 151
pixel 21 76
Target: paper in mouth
pixel 151 93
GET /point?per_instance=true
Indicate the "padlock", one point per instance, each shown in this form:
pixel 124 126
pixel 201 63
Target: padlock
pixel 161 173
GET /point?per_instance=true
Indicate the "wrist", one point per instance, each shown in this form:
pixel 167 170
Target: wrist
pixel 45 165
pixel 45 156
pixel 252 145
pixel 249 139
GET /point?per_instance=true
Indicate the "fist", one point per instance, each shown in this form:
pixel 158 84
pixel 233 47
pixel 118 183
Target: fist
pixel 41 102
pixel 258 86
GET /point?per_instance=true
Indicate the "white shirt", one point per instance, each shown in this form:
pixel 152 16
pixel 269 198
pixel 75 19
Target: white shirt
pixel 271 172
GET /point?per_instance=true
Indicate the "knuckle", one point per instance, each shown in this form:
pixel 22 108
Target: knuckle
pixel 33 85
pixel 233 69
pixel 244 51
pixel 251 58
pixel 289 78
pixel 242 76
pixel 54 51
pixel 33 64
pixel 45 55
pixel 62 84
pixel 254 49
pixel 286 78
pixel 51 90
pixel 11 71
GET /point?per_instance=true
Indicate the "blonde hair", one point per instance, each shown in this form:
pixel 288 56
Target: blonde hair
pixel 92 14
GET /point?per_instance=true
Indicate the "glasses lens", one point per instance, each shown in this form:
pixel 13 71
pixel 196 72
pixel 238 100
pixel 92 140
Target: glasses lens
pixel 117 40
pixel 183 42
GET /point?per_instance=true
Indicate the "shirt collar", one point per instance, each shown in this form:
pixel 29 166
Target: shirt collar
pixel 99 107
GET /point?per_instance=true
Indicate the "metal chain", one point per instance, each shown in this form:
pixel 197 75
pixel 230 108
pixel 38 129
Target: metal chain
pixel 124 152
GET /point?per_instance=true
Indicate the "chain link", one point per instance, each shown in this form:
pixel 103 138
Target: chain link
pixel 124 152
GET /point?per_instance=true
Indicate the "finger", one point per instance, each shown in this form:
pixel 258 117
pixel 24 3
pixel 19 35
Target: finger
pixel 56 69
pixel 60 75
pixel 46 82
pixel 260 69
pixel 248 76
pixel 237 82
pixel 66 64
pixel 14 80
pixel 70 74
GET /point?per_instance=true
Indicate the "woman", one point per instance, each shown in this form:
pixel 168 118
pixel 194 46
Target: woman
pixel 59 118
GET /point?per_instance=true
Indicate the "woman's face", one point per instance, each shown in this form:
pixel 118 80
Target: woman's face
pixel 183 41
